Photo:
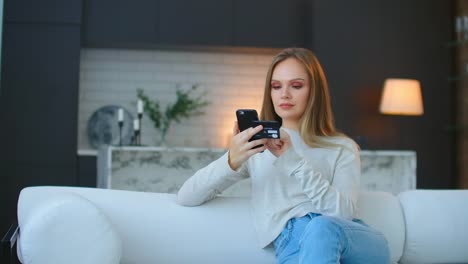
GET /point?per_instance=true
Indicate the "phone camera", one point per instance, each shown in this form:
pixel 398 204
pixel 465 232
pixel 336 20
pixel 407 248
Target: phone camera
pixel 241 112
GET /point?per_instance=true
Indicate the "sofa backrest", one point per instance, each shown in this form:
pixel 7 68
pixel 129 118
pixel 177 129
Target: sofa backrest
pixel 154 229
pixel 436 226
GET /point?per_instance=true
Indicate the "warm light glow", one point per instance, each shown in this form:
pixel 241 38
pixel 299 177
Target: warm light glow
pixel 401 97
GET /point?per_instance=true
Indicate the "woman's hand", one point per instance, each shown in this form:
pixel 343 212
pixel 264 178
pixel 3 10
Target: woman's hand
pixel 241 149
pixel 278 146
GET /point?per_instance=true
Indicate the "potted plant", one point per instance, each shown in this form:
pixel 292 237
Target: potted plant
pixel 185 106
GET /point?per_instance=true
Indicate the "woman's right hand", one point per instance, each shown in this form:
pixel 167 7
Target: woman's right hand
pixel 241 149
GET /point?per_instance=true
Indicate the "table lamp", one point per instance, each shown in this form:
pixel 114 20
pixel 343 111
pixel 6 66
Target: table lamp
pixel 401 97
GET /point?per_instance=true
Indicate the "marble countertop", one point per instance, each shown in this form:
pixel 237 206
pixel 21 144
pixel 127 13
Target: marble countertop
pixel 161 169
pixel 365 152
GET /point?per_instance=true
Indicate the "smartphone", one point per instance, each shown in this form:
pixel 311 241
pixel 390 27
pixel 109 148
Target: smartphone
pixel 245 117
pixel 249 118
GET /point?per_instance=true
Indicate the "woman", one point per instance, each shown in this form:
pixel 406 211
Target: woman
pixel 305 184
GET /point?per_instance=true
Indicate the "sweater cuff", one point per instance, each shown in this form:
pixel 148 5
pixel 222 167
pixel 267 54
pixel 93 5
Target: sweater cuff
pixel 224 164
pixel 289 162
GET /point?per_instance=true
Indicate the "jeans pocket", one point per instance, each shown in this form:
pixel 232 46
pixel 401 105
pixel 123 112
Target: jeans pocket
pixel 283 238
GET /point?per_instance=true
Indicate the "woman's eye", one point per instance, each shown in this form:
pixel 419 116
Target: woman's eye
pixel 297 85
pixel 275 87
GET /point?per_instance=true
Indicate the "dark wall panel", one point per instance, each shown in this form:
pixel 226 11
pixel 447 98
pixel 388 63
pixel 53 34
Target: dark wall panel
pixel 87 171
pixel 269 23
pixel 361 45
pixel 40 93
pixel 114 22
pixel 202 22
pixel 44 11
pixel 39 99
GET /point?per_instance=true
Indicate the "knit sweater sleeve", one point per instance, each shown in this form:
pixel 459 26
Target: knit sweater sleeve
pixel 209 181
pixel 334 190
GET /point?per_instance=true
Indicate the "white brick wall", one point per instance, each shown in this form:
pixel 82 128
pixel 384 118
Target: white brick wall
pixel 232 81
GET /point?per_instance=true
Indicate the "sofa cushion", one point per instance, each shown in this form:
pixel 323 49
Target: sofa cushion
pixel 383 212
pixel 64 228
pixel 436 226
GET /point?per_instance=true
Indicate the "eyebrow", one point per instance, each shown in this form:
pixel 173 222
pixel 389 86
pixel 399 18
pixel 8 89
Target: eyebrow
pixel 296 79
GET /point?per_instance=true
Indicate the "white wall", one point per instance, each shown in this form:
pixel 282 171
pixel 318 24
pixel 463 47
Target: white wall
pixel 232 81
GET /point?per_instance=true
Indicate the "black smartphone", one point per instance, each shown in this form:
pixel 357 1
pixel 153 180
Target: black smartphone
pixel 249 118
pixel 245 117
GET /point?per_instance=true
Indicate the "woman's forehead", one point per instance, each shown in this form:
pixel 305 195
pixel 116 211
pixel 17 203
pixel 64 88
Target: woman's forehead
pixel 289 69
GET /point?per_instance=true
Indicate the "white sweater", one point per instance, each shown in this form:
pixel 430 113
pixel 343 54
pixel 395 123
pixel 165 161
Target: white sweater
pixel 302 180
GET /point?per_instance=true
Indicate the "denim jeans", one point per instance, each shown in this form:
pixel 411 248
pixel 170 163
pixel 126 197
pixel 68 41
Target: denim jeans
pixel 318 239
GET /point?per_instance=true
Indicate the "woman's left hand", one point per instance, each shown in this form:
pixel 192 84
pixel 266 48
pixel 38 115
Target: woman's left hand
pixel 278 146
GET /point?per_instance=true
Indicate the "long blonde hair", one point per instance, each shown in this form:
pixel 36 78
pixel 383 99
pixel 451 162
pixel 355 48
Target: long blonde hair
pixel 317 121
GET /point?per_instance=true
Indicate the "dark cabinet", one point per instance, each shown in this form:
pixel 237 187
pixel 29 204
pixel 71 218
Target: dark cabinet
pixel 120 23
pixel 38 97
pixel 269 23
pixel 235 23
pixel 39 100
pixel 87 171
pixel 202 22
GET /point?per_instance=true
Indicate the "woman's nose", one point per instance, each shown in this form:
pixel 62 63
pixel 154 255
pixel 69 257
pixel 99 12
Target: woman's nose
pixel 285 93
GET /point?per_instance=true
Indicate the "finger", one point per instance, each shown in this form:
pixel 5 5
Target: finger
pixel 261 141
pixel 270 147
pixel 274 147
pixel 256 150
pixel 278 142
pixel 252 131
pixel 253 144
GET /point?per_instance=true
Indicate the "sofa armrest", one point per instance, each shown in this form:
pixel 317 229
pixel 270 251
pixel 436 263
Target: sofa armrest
pixel 9 244
pixel 64 227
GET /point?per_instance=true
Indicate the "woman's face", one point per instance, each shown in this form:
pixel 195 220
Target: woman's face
pixel 290 91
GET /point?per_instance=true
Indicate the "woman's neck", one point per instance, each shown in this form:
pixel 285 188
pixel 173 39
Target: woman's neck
pixel 291 125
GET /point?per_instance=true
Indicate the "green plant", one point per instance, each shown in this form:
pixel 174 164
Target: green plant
pixel 184 107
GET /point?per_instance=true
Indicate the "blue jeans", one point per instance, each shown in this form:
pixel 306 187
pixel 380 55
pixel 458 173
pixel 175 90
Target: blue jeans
pixel 316 239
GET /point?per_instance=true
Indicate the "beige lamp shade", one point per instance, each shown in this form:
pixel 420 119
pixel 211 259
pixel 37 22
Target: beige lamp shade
pixel 401 97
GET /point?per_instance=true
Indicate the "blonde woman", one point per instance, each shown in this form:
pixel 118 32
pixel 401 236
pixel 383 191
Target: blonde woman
pixel 305 184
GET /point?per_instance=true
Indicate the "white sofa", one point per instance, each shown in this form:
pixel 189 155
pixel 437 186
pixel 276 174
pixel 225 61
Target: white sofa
pixel 85 225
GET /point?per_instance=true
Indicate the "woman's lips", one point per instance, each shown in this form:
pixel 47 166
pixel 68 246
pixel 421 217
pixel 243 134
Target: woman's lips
pixel 286 106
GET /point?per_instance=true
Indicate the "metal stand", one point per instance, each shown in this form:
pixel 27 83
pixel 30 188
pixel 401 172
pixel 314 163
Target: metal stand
pixel 136 137
pixel 120 132
pixel 140 134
